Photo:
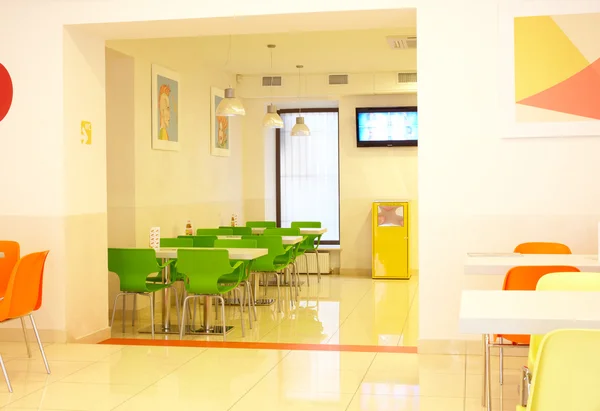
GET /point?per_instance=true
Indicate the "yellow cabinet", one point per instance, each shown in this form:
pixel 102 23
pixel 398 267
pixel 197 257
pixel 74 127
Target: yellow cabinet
pixel 390 239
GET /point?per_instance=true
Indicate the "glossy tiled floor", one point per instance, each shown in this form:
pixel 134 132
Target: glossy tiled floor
pixel 339 310
pixel 112 377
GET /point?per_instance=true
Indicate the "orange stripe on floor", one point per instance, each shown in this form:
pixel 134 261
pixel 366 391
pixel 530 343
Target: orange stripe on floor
pixel 260 346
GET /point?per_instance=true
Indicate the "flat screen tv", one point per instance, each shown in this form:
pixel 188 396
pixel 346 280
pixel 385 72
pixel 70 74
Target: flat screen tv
pixel 386 126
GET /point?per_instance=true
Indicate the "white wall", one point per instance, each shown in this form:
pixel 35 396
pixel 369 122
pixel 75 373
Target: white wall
pixel 476 191
pixel 172 187
pixel 368 174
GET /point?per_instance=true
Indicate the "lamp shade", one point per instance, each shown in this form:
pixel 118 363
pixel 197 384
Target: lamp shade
pixel 230 105
pixel 272 119
pixel 300 129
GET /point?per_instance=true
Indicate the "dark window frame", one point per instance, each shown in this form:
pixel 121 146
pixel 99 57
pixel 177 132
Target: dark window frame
pixel 278 165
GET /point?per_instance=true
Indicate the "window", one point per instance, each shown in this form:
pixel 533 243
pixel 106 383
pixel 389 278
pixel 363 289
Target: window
pixel 308 172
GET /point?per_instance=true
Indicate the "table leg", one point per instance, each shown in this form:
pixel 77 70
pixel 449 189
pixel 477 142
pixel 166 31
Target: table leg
pixel 166 306
pixel 484 372
pixel 488 373
pixel 206 325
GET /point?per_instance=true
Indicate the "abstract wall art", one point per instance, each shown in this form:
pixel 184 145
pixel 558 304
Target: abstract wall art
pixel 551 83
pixel 165 109
pixel 219 126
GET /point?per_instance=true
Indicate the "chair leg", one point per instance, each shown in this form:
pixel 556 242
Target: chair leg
pixel 124 308
pixel 5 375
pixel 318 267
pixel 177 304
pixel 25 335
pixel 248 297
pixel 223 325
pixel 238 292
pixel 182 325
pixel 134 310
pixel 37 337
pixel 112 321
pixel 194 313
pixel 152 313
pixel 298 285
pixel 278 294
pixel 307 270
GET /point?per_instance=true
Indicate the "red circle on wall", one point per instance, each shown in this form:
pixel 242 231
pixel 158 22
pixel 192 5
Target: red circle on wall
pixel 6 92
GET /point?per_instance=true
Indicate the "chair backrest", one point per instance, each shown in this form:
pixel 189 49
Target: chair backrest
pixel 24 289
pixel 526 278
pixel 214 231
pixel 275 246
pixel 239 230
pixel 203 268
pixel 306 224
pixel 542 248
pixel 12 252
pixel 133 266
pixel 566 373
pixel 570 281
pixel 235 243
pixel 261 224
pixel 282 231
pixel 177 242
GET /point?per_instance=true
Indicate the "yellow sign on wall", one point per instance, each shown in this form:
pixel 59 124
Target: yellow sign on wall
pixel 86 132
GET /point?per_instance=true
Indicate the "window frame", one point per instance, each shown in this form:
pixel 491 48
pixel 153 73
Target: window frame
pixel 278 164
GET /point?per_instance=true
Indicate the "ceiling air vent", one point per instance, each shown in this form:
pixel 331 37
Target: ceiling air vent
pixel 271 81
pixel 337 79
pixel 402 42
pixel 407 78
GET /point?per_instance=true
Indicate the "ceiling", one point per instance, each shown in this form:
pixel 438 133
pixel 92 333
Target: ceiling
pixel 283 23
pixel 355 51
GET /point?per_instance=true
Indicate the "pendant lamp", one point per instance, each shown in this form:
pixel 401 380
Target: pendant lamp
pixel 272 119
pixel 300 129
pixel 230 105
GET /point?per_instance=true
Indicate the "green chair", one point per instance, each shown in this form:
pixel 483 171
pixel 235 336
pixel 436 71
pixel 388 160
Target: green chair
pixel 295 248
pixel 240 230
pixel 203 270
pixel 133 266
pixel 246 278
pixel 277 260
pixel 214 231
pixel 261 224
pixel 201 240
pixel 310 244
pixel 174 276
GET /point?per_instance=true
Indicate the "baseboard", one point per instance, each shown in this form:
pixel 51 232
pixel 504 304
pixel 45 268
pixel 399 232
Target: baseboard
pixel 355 272
pixel 47 336
pixel 464 347
pixel 93 338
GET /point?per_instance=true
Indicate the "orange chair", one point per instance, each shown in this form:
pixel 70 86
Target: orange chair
pixel 542 248
pixel 12 252
pixel 24 296
pixel 524 279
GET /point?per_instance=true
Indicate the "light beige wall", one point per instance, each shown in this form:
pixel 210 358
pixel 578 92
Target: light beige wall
pixel 368 174
pixel 174 186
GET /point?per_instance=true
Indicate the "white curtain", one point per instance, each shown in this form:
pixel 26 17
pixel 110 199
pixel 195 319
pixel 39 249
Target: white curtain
pixel 309 172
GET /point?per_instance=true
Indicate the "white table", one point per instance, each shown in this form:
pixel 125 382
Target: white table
pixel 286 239
pixel 247 254
pixel 525 312
pixel 500 264
pixel 303 231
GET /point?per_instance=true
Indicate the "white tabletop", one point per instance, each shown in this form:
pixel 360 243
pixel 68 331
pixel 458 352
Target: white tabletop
pixel 527 312
pixel 500 264
pixel 234 253
pixel 303 231
pixel 286 239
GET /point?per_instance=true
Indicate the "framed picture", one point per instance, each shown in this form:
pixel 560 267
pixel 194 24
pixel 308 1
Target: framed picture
pixel 219 126
pixel 165 109
pixel 549 69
